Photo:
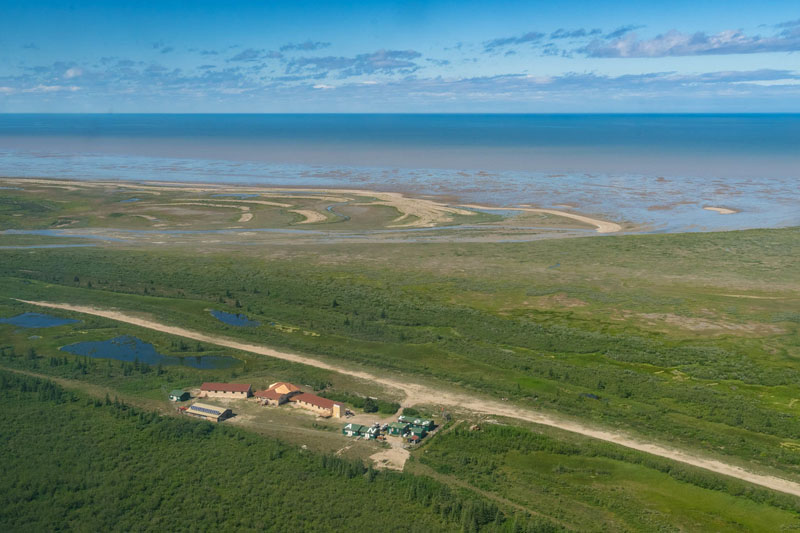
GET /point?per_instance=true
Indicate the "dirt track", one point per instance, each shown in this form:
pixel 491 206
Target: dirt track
pixel 421 394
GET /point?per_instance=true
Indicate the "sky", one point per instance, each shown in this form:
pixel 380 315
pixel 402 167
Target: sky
pixel 399 57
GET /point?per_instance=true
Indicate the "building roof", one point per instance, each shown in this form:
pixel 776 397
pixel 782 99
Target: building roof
pixel 225 387
pixel 398 425
pixel 177 392
pixel 206 409
pixel 284 388
pixel 269 394
pixel 314 400
pixel 415 421
pixel 355 428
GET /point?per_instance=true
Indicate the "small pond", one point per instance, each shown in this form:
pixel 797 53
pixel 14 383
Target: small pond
pixel 127 348
pixel 234 319
pixel 129 200
pixel 37 320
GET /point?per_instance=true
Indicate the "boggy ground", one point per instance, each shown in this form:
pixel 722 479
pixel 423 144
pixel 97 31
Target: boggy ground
pixel 209 215
pixel 687 342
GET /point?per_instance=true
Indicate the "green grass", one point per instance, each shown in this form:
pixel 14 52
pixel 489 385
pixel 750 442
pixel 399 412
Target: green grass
pixel 687 339
pixel 607 488
pixel 729 393
pixel 105 466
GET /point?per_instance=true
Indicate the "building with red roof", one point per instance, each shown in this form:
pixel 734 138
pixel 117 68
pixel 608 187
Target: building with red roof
pixel 320 406
pixel 225 390
pixel 272 397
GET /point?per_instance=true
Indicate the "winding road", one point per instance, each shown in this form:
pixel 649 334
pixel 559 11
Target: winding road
pixel 423 394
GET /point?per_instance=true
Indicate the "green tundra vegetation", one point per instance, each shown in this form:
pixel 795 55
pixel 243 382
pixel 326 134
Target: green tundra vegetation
pixel 608 488
pixel 72 462
pixel 686 339
pixel 617 352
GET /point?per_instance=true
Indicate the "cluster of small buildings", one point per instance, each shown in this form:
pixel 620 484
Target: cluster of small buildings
pixel 412 429
pixel 277 394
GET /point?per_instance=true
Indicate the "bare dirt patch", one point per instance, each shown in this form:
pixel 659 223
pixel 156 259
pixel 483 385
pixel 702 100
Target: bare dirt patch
pixel 393 458
pixel 708 325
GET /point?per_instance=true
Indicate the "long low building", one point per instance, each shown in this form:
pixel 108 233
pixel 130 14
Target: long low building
pixel 212 413
pixel 321 406
pixel 225 390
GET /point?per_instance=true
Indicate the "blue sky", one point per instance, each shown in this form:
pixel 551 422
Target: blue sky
pixel 465 56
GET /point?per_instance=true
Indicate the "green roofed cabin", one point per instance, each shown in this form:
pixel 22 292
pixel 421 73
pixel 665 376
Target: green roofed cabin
pixel 419 422
pixel 178 396
pixel 397 428
pixel 373 432
pixel 417 431
pixel 354 430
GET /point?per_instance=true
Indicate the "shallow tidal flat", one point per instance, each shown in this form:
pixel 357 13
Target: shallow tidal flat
pixel 60 213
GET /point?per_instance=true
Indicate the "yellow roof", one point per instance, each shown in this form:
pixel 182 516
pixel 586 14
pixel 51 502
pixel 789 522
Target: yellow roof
pixel 283 387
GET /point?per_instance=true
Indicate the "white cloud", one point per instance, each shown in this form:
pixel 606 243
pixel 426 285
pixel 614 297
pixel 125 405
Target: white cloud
pixel 323 86
pixel 51 89
pixel 73 72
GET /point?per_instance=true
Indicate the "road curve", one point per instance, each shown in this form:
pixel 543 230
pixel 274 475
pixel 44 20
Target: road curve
pixel 416 393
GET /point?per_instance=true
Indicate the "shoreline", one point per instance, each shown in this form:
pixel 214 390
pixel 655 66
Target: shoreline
pixel 415 211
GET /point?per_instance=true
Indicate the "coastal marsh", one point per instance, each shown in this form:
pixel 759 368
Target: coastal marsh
pixel 686 339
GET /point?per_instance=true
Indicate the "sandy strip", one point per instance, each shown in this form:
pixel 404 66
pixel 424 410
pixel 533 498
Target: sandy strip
pixel 260 202
pixel 414 212
pixel 422 394
pixel 722 210
pixel 312 217
pixel 246 217
pixel 601 225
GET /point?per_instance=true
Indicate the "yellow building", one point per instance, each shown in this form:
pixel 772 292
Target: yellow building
pixel 320 406
pixel 225 390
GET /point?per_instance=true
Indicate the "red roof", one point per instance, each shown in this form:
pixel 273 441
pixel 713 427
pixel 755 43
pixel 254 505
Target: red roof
pixel 225 387
pixel 313 399
pixel 269 394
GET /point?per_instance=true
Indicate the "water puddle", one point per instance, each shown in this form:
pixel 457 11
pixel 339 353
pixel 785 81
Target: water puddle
pixel 234 319
pixel 130 349
pixel 37 320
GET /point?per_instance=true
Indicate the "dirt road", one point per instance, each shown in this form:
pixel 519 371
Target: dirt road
pixel 422 394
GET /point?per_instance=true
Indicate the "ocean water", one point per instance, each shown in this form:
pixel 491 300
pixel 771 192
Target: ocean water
pixel 657 170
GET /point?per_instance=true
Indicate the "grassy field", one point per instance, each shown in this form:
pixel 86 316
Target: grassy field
pixel 608 489
pixel 688 339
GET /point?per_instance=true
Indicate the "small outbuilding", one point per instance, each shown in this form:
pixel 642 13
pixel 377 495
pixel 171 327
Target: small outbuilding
pixel 398 428
pixel 354 430
pixel 419 422
pixel 373 432
pixel 179 395
pixel 418 432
